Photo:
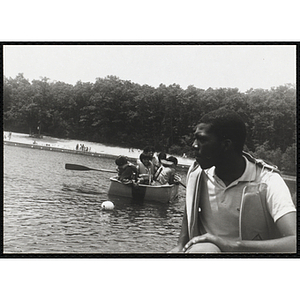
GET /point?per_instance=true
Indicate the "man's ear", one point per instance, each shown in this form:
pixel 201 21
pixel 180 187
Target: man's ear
pixel 227 144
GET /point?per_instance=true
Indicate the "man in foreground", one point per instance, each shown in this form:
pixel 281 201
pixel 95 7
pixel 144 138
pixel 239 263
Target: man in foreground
pixel 234 203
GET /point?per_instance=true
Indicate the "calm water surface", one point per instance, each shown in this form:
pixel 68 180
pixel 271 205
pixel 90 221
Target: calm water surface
pixel 48 209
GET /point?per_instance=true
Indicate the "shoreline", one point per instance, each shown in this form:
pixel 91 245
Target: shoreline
pixel 97 149
pixel 56 149
pixel 69 146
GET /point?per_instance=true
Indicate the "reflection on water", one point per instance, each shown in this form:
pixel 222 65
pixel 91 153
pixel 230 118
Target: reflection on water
pixel 48 209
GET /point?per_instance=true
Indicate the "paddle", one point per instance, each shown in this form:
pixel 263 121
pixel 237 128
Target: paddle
pixel 181 183
pixel 83 168
pixel 178 180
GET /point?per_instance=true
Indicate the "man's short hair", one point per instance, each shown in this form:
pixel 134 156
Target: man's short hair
pixel 173 159
pixel 226 124
pixel 162 155
pixel 148 149
pixel 144 156
pixel 121 161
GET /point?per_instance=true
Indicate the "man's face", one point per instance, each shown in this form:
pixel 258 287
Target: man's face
pixel 146 161
pixel 150 154
pixel 122 167
pixel 208 148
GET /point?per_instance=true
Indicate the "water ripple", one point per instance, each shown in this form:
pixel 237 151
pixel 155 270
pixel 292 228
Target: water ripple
pixel 48 209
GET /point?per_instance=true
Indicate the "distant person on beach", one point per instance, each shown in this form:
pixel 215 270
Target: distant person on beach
pixel 9 135
pixel 77 146
pixel 127 172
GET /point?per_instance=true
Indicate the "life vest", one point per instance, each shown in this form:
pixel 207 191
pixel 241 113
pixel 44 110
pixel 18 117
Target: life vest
pixel 142 169
pixel 166 175
pixel 129 171
pixel 255 221
pixel 261 163
pixel 145 173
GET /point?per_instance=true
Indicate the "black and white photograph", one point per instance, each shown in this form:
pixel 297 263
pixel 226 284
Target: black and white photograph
pixel 171 149
pixel 91 91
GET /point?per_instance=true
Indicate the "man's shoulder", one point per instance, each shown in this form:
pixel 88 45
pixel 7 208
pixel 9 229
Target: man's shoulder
pixel 194 166
pixel 271 178
pixel 132 166
pixel 261 163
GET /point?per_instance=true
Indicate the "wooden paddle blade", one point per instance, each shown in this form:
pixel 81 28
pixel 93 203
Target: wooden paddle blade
pixel 177 179
pixel 77 167
pixel 181 184
pixel 105 170
pixel 84 168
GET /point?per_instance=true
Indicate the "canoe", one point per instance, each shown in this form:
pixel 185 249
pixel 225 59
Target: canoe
pixel 163 193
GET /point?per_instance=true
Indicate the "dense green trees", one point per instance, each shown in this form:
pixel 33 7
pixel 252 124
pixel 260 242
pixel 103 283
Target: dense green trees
pixel 123 113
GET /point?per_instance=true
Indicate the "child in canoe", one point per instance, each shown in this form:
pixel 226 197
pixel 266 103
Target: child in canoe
pixel 145 169
pixel 127 172
pixel 165 174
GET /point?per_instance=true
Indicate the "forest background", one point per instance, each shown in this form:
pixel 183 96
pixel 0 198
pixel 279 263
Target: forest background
pixel 119 112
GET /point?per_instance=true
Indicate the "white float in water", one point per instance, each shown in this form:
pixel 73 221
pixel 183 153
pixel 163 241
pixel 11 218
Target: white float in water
pixel 107 205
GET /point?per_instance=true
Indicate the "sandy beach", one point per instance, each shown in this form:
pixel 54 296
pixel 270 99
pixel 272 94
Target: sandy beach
pixel 67 144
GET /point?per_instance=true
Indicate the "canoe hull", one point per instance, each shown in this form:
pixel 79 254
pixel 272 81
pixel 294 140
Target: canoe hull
pixel 163 193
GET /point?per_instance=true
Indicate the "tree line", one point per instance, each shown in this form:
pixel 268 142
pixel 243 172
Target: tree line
pixel 122 113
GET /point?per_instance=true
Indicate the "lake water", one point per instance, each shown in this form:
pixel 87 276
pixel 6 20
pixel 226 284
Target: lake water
pixel 49 210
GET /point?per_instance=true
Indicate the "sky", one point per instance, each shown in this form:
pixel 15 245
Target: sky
pixel 203 66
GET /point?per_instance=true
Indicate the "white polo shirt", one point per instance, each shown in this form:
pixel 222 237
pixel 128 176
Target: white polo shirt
pixel 220 211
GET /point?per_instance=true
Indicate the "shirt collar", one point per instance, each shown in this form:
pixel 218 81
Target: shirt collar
pixel 248 175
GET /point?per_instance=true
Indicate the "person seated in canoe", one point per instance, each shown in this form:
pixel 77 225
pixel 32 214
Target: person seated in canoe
pixel 157 167
pixel 150 151
pixel 127 172
pixel 160 156
pixel 145 169
pixel 165 174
